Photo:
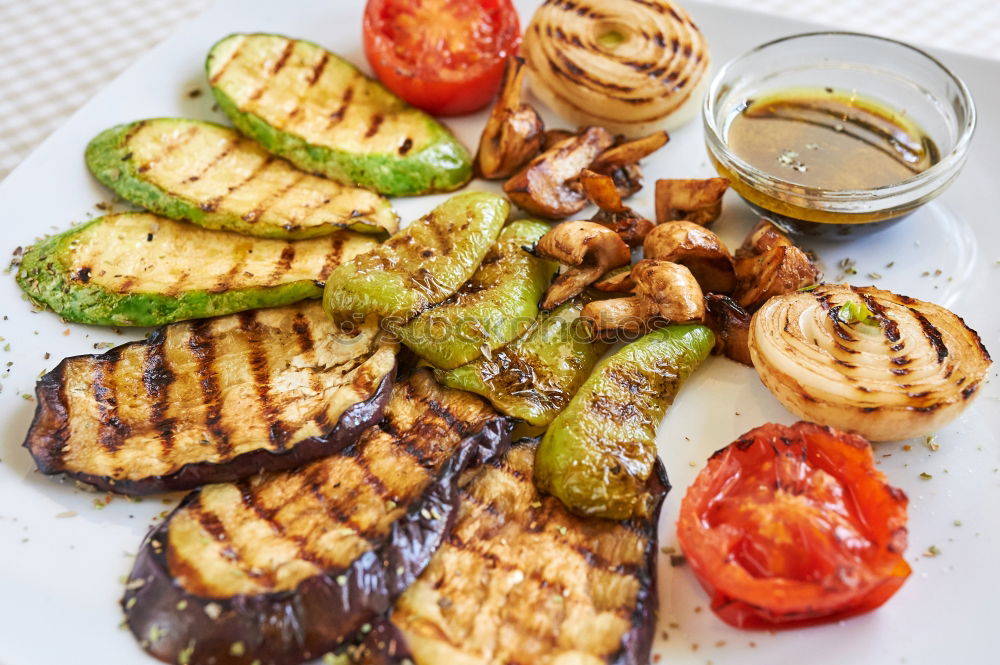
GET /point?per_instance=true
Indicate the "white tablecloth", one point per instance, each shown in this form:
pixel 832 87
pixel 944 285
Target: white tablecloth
pixel 55 54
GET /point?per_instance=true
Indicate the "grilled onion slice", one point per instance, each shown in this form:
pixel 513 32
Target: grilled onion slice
pixel 868 361
pixel 632 67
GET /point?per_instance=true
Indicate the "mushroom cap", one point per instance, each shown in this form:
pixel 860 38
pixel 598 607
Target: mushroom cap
pixel 671 288
pixel 697 248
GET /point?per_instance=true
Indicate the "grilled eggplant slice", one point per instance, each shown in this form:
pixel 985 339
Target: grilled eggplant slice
pixel 281 568
pixel 534 377
pixel 209 175
pixel 211 401
pixel 494 307
pixel 319 112
pixel 137 269
pixel 522 580
pixel 421 265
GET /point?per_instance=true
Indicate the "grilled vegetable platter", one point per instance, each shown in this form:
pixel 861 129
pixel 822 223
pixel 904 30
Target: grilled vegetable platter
pixel 324 377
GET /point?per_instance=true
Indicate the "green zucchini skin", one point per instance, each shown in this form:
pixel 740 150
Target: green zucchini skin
pixel 109 157
pixel 439 164
pixel 598 454
pixel 46 276
pixel 419 266
pixel 534 377
pixel 496 306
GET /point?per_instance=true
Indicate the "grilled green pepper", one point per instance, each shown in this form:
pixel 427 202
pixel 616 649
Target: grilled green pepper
pixel 534 377
pixel 420 266
pixel 494 307
pixel 322 114
pixel 598 453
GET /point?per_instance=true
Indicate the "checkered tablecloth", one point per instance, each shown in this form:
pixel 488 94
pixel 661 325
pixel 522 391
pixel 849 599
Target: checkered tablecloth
pixel 55 54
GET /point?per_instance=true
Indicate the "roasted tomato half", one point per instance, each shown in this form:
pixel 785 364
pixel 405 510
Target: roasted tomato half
pixel 443 56
pixel 790 526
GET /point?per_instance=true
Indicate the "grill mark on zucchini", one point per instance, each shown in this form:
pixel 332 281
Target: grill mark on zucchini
pixel 237 52
pixel 157 378
pixel 318 69
pixel 202 344
pixel 272 200
pixel 373 126
pixel 345 101
pixel 173 146
pixel 212 164
pixel 284 263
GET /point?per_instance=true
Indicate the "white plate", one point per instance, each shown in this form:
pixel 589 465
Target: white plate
pixel 61 558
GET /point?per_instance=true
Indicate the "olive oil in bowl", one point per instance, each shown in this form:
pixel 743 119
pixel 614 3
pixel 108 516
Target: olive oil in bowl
pixel 830 139
pixel 837 134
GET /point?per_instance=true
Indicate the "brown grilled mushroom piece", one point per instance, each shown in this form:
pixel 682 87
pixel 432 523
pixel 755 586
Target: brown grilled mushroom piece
pixel 665 292
pixel 672 288
pixel 767 265
pixel 731 325
pixel 554 136
pixel 694 246
pixel 617 317
pixel 513 133
pixel 548 186
pixel 690 199
pixel 613 213
pixel 618 280
pixel 621 162
pixel 589 249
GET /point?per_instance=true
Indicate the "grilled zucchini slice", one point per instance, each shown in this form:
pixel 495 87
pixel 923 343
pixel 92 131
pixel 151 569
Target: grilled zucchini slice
pixel 138 269
pixel 282 568
pixel 421 265
pixel 319 112
pixel 211 400
pixel 522 580
pixel 211 176
pixel 496 305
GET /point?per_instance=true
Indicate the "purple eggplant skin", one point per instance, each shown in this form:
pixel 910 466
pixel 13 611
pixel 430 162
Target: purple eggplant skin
pixel 320 615
pixel 51 408
pixel 386 644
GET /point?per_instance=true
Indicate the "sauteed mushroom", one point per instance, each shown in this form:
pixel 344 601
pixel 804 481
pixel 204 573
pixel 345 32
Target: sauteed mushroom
pixel 621 162
pixel 613 213
pixel 692 200
pixel 547 186
pixel 694 246
pixel 513 133
pixel 731 325
pixel 589 249
pixel 767 265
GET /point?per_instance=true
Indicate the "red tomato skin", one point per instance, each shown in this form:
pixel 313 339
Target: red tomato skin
pixel 745 600
pixel 457 94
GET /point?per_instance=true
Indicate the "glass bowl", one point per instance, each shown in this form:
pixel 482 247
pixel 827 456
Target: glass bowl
pixel 897 75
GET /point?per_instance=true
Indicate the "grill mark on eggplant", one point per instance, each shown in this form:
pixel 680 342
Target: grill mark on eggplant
pixel 157 377
pixel 202 344
pixel 257 360
pixel 111 431
pixel 267 515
